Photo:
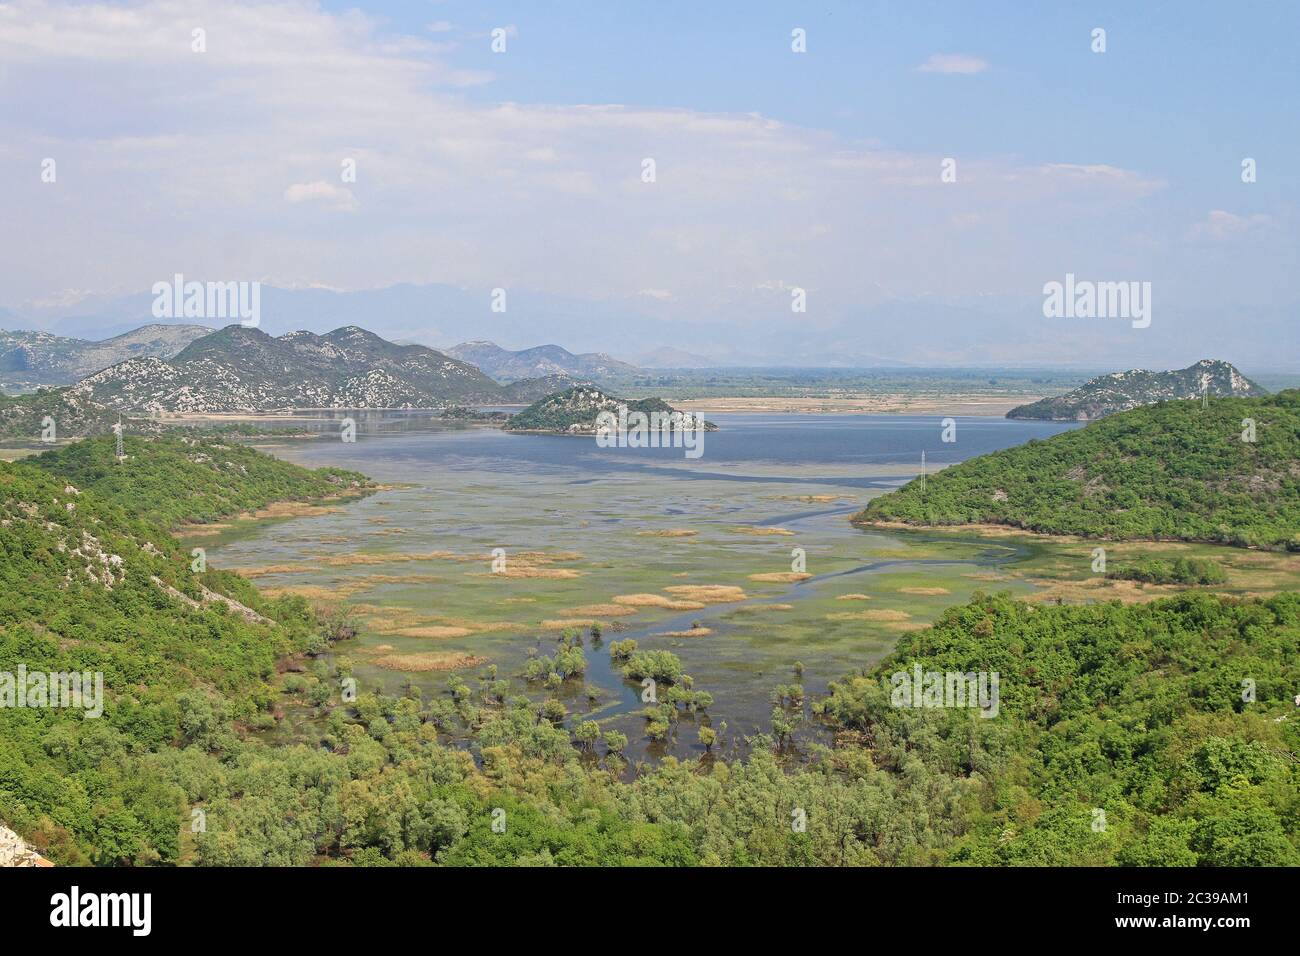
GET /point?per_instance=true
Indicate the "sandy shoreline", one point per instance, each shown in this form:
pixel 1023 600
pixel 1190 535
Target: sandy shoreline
pixel 898 403
pixel 969 404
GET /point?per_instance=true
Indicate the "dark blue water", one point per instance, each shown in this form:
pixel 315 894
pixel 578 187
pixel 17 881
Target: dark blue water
pixel 744 444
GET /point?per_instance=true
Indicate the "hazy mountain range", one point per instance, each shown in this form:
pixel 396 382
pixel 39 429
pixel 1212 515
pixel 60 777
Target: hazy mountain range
pixel 174 366
pixel 751 328
pixel 41 358
pixel 191 369
pixel 241 369
pixel 542 360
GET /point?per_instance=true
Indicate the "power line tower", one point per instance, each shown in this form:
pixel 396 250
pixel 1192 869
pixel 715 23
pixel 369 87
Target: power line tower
pixel 117 430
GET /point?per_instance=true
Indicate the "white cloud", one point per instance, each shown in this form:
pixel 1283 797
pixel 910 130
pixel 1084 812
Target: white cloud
pixel 1080 178
pixel 953 63
pixel 322 192
pixel 248 138
pixel 1220 224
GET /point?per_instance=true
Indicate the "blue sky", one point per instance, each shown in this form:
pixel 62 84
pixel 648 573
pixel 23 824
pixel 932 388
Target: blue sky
pixel 775 170
pixel 1219 75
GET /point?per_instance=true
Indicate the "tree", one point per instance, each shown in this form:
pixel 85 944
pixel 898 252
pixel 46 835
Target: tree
pixel 554 711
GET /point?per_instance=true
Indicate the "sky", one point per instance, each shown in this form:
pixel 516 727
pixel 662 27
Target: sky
pixel 774 170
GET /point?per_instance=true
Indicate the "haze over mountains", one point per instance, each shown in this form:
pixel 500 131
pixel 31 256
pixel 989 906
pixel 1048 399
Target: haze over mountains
pixel 744 328
pixel 507 366
pixel 670 357
pixel 191 369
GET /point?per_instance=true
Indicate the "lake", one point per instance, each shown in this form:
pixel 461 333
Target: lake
pixel 696 556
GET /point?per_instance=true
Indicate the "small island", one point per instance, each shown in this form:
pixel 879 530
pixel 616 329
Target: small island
pixel 576 410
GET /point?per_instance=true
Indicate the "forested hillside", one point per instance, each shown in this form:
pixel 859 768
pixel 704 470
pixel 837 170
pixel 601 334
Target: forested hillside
pixel 1172 718
pixel 172 479
pixel 1159 733
pixel 81 589
pixel 1178 470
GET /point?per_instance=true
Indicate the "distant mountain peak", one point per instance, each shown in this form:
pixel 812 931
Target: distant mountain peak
pixel 539 361
pixel 29 359
pixel 351 332
pixel 1121 391
pixel 239 369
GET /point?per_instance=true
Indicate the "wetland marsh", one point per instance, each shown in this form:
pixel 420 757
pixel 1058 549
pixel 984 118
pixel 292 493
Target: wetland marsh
pixel 485 547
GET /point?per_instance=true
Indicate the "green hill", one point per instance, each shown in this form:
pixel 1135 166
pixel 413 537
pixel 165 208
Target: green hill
pixel 1123 733
pixel 171 480
pixel 1173 471
pixel 85 588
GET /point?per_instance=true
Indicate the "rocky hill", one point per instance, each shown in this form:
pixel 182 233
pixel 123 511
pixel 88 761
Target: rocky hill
pixel 543 360
pixel 74 416
pixel 1120 391
pixel 574 411
pixel 15 852
pixel 240 369
pixel 29 359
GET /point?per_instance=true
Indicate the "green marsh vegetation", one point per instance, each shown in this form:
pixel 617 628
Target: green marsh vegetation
pixel 835 624
pixel 1178 571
